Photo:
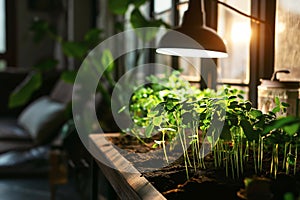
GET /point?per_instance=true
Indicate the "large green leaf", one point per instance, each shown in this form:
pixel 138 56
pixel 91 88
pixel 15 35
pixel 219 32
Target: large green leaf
pixel 22 94
pixel 69 76
pixel 250 133
pixel 225 134
pixel 107 60
pixel 290 124
pixel 138 3
pixel 118 7
pixel 92 37
pixel 157 120
pixel 149 130
pixel 74 49
pixel 137 20
pixel 45 65
pixel 291 129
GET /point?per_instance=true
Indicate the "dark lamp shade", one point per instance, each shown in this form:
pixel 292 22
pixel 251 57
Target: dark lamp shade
pixel 196 41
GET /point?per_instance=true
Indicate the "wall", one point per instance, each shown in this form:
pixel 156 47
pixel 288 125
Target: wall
pixel 72 23
pixel 29 53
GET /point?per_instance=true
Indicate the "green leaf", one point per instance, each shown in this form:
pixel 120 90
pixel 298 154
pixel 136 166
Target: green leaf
pixel 69 76
pixel 157 120
pixel 291 159
pixel 187 118
pixel 93 37
pixel 122 109
pixel 155 145
pixel 248 106
pixel 152 113
pixel 225 134
pixel 291 129
pixel 277 101
pixel 118 7
pixel 149 130
pixel 233 104
pixel 22 94
pixel 255 113
pixel 138 3
pixel 45 65
pixel 240 96
pixel 119 26
pixel 248 131
pixel 260 122
pixel 284 104
pixel 107 60
pixel 137 20
pixel 209 139
pixel 276 109
pixel 283 123
pixel 74 49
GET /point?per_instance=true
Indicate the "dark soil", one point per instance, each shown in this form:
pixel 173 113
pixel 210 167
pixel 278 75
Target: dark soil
pixel 209 183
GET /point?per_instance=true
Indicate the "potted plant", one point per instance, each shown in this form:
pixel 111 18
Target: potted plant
pixel 216 130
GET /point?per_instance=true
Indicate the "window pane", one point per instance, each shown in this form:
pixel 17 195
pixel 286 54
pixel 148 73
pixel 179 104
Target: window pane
pixel 235 29
pixel 287 36
pixel 160 6
pixel 2 27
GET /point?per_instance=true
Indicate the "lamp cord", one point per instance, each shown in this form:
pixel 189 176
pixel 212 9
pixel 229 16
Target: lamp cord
pixel 254 19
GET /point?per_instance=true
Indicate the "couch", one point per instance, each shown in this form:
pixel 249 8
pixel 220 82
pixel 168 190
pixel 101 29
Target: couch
pixel 27 133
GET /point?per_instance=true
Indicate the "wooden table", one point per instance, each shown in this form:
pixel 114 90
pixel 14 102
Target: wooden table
pixel 129 184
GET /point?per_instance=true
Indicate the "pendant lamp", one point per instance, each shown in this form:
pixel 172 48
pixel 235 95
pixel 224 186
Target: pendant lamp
pixel 193 38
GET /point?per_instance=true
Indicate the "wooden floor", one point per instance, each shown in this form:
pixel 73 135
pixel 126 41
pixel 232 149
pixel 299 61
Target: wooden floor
pixel 35 189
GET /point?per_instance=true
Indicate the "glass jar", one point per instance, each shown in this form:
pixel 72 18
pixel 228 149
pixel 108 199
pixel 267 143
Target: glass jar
pixel 286 92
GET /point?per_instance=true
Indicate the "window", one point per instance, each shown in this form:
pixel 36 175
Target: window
pixel 2 32
pixel 2 27
pixel 162 6
pixel 235 29
pixel 163 10
pixel 287 46
pixel 7 33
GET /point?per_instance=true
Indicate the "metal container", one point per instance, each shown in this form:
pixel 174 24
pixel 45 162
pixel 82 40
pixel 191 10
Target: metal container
pixel 286 92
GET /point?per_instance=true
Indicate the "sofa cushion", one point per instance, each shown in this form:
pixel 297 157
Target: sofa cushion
pixel 42 119
pixel 13 145
pixel 10 130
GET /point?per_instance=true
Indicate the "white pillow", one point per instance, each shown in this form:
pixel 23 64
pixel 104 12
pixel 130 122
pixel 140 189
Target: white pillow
pixel 42 119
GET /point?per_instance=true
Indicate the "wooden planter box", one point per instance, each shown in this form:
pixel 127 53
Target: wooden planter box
pixel 127 185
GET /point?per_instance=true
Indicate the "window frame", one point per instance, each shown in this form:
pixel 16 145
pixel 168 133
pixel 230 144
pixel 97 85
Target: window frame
pixel 262 47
